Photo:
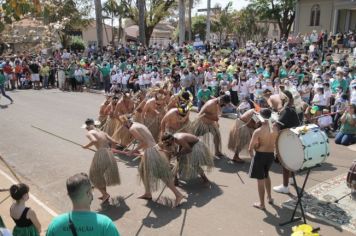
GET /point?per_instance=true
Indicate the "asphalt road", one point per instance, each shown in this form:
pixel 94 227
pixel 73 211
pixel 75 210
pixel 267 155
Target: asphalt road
pixel 224 208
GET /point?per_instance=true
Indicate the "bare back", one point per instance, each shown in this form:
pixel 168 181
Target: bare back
pixel 265 139
pixel 142 134
pixel 99 138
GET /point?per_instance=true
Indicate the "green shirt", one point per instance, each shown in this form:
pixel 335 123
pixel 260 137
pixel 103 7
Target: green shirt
pixel 86 224
pixel 204 95
pixel 346 128
pixel 2 79
pixel 105 70
pixel 337 83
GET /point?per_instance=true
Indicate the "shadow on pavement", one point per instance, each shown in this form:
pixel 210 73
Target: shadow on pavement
pixel 116 209
pixel 200 194
pixel 283 215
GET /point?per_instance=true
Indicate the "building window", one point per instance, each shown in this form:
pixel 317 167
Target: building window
pixel 315 15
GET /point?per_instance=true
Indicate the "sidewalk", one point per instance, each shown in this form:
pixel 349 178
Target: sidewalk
pixel 44 213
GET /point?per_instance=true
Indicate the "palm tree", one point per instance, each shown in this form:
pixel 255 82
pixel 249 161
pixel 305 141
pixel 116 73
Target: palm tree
pixel 99 23
pixel 181 24
pixel 112 10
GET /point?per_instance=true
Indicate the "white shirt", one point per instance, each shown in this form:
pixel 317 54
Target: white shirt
pixel 325 121
pixel 114 79
pixel 243 87
pixel 251 84
pixel 319 100
pixel 125 78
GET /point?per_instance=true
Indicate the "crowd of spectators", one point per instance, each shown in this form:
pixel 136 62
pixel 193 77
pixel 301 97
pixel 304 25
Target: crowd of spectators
pixel 317 67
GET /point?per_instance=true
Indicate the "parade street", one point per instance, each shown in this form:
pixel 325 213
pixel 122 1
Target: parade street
pixel 225 208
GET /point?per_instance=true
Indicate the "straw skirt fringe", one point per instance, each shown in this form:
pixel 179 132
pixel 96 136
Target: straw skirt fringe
pixel 111 125
pixel 102 120
pixel 153 124
pixel 200 128
pixel 154 169
pixel 103 170
pixel 190 166
pixel 240 136
pixel 123 136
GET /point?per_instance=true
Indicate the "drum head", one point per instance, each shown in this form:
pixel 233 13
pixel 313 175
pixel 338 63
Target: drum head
pixel 290 150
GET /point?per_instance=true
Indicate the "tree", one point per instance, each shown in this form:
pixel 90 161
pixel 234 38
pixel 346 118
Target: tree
pixel 283 11
pixel 199 26
pixel 181 22
pixel 190 6
pixel 14 10
pixel 155 11
pixel 99 23
pixel 141 5
pixel 69 15
pixel 113 9
pixel 221 22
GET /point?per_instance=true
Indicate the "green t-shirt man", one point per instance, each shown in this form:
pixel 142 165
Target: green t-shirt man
pixel 86 223
pixel 204 95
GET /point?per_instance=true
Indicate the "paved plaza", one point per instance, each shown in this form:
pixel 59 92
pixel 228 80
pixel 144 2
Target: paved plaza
pixel 224 208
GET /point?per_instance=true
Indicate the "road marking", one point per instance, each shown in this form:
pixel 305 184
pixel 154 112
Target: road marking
pixel 35 199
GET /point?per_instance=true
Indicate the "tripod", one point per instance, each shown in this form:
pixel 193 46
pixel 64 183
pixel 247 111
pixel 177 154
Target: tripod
pixel 299 204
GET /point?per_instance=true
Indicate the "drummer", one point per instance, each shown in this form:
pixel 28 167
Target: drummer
pixel 262 142
pixel 288 118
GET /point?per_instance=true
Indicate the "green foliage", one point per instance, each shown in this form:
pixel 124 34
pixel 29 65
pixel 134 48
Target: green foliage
pixel 199 26
pixel 77 43
pixel 222 23
pixel 283 11
pixel 13 10
pixel 72 14
pixel 156 11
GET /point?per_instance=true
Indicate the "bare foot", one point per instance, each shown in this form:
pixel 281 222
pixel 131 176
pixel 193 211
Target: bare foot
pixel 259 206
pixel 146 197
pixel 178 200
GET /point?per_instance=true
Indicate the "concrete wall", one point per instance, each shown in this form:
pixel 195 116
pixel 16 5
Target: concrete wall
pixel 335 16
pixel 89 34
pixel 326 17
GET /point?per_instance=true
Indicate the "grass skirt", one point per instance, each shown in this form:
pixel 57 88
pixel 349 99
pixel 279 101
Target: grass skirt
pixel 190 166
pixel 102 120
pixel 200 128
pixel 123 136
pixel 154 169
pixel 103 170
pixel 25 231
pixel 137 117
pixel 240 136
pixel 111 125
pixel 153 124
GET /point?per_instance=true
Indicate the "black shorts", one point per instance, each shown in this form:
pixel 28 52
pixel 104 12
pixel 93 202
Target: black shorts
pixel 260 165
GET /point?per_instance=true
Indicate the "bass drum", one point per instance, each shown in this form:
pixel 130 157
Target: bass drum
pixel 302 147
pixel 351 176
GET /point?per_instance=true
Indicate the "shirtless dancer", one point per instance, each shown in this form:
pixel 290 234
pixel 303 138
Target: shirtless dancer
pixel 241 134
pixel 192 154
pixel 207 122
pixel 112 121
pixel 125 106
pixel 152 114
pixel 154 165
pixel 103 169
pixel 263 143
pixel 176 99
pixel 104 111
pixel 175 119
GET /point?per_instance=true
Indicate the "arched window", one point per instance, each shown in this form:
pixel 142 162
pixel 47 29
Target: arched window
pixel 315 15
